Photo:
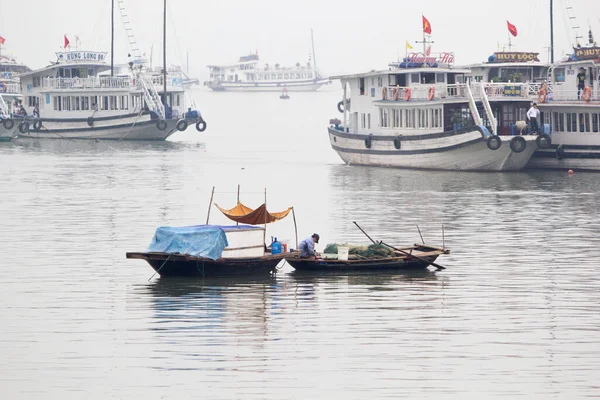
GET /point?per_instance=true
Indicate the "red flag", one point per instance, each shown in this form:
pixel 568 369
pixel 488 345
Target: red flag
pixel 512 29
pixel 426 26
pixel 66 42
pixel 2 40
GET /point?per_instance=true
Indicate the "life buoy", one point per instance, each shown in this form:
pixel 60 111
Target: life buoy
pixel 37 125
pixel 431 93
pixel 397 143
pixel 407 94
pixel 161 125
pixel 494 142
pixel 24 127
pixel 543 141
pixel 201 125
pixel 2 87
pixel 340 106
pixel 518 144
pixel 587 93
pixel 384 93
pixel 490 88
pixel 369 141
pixel 90 121
pixel 542 95
pixel 8 124
pixel 182 125
pixel 396 93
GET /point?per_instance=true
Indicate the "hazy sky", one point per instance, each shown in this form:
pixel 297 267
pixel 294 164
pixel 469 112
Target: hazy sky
pixel 350 36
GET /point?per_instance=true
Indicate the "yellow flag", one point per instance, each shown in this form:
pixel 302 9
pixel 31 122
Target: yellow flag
pixel 408 46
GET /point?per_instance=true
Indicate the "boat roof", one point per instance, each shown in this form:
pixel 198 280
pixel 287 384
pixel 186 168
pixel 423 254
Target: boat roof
pixel 506 64
pixel 100 65
pixel 393 71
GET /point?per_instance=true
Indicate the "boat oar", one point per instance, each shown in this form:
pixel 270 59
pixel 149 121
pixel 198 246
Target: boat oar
pixel 439 267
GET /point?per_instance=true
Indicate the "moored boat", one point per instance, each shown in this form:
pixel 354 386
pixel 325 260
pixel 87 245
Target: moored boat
pixel 419 256
pixel 419 113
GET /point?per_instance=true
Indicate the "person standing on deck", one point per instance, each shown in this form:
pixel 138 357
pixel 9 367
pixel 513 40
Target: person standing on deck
pixel 533 115
pixel 307 246
pixel 580 82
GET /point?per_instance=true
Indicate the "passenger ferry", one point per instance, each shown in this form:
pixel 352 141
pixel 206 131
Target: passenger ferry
pixel 73 99
pixel 570 115
pixel 423 113
pixel 247 75
pixel 10 92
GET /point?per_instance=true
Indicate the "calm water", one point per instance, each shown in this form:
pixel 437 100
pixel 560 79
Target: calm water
pixel 514 315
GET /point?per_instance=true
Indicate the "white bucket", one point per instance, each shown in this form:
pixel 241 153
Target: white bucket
pixel 343 253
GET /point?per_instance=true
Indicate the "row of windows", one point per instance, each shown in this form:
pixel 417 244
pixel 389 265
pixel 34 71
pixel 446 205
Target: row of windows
pixel 365 121
pixel 85 103
pixel 576 122
pixel 410 118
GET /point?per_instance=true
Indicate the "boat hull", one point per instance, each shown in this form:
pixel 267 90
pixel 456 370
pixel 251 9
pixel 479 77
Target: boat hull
pixel 309 86
pixel 465 150
pixel 582 158
pixel 322 265
pixel 181 265
pixel 126 128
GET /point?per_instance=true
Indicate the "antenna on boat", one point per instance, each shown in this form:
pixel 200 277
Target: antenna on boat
pixel 551 33
pixel 112 37
pixel 165 53
pixel 314 56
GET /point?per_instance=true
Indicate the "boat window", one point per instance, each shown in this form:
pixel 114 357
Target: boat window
pixel 396 118
pixel 361 86
pixel 379 81
pixel 595 118
pixel 584 122
pixel 384 117
pixel 392 80
pixel 559 74
pixel 113 103
pixel 571 122
pixel 85 103
pixel 75 103
pixel 123 103
pixel 369 121
pixel 363 120
pixel 414 78
pixel 66 106
pixel 440 78
pixel 57 103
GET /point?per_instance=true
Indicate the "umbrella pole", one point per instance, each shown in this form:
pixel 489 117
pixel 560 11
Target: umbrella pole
pixel 265 231
pixel 210 204
pixel 295 226
pixel 238 200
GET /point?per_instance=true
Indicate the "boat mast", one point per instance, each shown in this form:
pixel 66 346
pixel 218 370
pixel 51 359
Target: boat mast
pixel 112 37
pixel 551 34
pixel 165 53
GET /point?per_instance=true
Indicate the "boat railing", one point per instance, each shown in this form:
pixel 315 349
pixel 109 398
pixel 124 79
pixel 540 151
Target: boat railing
pixel 11 88
pixel 95 82
pixel 175 81
pixel 423 92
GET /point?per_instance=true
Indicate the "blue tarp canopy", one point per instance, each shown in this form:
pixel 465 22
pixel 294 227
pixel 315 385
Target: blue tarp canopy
pixel 201 240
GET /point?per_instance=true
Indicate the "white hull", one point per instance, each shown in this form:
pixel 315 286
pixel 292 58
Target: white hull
pixel 127 128
pixel 463 152
pixel 266 87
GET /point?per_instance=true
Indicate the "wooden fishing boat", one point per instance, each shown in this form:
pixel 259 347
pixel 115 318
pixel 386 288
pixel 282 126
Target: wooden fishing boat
pixel 185 265
pixel 419 256
pixel 217 250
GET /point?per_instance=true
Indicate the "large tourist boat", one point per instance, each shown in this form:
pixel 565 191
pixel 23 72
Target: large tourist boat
pixel 422 113
pixel 10 93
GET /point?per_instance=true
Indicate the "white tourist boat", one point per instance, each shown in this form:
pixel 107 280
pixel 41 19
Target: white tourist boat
pixel 420 113
pixel 71 99
pixel 247 75
pixel 10 93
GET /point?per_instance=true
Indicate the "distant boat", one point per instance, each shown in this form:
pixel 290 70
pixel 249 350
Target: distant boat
pixel 246 75
pixel 284 94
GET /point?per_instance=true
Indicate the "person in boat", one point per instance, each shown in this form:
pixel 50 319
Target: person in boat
pixel 307 247
pixel 580 82
pixel 532 115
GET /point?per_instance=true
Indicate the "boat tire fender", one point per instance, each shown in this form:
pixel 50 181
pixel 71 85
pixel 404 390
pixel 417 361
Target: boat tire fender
pixel 543 141
pixel 201 125
pixel 397 143
pixel 369 141
pixel 90 121
pixel 8 124
pixel 518 144
pixel 494 142
pixel 182 125
pixel 161 125
pixel 340 106
pixel 560 152
pixel 24 127
pixel 37 125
